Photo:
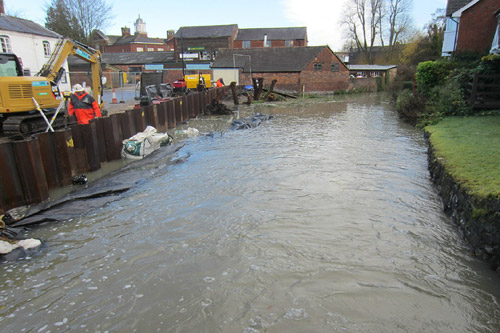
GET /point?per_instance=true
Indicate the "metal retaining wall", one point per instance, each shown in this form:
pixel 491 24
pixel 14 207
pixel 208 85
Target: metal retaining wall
pixel 30 168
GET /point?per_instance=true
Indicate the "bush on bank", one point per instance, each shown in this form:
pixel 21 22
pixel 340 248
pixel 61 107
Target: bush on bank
pixel 442 88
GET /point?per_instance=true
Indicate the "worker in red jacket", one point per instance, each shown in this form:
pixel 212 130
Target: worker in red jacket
pixel 83 105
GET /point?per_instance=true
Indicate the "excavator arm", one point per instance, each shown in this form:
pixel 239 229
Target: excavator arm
pixel 53 69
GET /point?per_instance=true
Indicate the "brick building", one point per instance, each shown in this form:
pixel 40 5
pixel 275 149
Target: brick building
pixel 471 26
pixel 138 42
pixel 314 69
pixel 202 42
pixel 271 37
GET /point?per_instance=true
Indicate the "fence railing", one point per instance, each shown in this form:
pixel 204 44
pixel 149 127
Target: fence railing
pixel 484 91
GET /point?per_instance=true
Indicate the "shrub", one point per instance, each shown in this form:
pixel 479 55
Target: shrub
pixel 431 74
pixel 449 99
pixel 411 106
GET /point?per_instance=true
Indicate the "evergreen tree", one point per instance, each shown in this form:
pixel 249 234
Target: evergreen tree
pixel 77 19
pixel 61 20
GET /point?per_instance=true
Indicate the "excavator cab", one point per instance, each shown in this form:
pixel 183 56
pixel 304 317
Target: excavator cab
pixel 10 65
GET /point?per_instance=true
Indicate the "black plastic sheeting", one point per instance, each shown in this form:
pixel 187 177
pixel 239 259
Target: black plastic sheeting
pixel 100 192
pixel 250 122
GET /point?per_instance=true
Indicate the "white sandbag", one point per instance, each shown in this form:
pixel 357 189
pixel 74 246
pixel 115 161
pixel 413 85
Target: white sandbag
pixel 144 143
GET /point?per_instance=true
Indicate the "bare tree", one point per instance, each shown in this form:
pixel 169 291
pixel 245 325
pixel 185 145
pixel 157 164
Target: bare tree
pixel 398 19
pixel 362 23
pixel 85 15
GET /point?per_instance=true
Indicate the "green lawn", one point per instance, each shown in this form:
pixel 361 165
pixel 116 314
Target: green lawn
pixel 470 148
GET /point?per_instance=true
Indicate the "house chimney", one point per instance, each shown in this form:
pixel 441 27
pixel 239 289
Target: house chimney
pixel 170 34
pixel 265 40
pixel 2 8
pixel 125 31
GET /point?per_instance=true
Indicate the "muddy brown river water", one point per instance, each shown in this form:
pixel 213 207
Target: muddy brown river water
pixel 323 219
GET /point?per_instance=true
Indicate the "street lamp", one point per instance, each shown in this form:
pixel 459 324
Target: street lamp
pixel 234 63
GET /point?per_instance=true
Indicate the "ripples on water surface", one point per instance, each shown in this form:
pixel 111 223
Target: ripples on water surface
pixel 322 219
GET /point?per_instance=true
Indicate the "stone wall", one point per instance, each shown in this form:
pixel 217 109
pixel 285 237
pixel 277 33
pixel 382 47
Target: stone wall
pixel 477 219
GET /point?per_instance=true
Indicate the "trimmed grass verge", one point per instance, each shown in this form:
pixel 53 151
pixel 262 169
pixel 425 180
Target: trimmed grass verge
pixel 469 149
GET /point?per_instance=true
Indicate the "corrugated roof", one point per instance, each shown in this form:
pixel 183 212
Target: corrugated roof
pixel 268 59
pixel 206 31
pixel 371 67
pixel 454 5
pixel 11 23
pixel 133 58
pixel 272 33
pixel 130 58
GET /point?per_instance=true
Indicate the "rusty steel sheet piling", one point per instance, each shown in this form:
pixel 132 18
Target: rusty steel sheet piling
pixel 65 156
pixel 171 121
pixel 91 143
pixel 101 139
pixel 185 114
pixel 81 154
pixel 196 101
pixel 12 194
pixel 162 116
pixel 139 120
pixel 151 112
pixel 124 120
pixel 49 160
pixel 31 173
pixel 111 138
pixel 178 111
pixel 190 105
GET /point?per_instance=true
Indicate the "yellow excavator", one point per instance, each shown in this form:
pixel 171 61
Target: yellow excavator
pixel 27 102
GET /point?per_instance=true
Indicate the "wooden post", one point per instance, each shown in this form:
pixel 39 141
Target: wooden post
pixel 235 95
pixel 271 89
pixel 257 87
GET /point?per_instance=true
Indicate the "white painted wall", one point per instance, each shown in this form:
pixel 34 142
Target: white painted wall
pixel 29 50
pixel 227 74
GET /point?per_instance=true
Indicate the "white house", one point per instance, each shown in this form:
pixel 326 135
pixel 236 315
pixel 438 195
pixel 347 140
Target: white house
pixel 32 43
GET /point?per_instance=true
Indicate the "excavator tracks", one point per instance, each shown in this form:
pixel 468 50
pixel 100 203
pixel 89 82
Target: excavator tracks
pixel 30 124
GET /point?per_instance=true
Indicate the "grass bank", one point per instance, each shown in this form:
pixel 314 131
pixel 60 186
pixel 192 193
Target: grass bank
pixel 469 148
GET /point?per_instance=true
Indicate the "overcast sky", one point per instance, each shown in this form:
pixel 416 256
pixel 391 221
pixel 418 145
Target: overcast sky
pixel 321 17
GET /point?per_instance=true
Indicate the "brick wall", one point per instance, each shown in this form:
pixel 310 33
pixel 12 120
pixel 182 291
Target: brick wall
pixel 325 79
pixel 133 48
pixel 313 81
pixel 287 82
pixel 477 27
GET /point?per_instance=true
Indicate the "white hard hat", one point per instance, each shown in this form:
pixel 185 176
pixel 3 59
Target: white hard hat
pixel 77 87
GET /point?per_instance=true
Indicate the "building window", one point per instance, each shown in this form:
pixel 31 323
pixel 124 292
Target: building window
pixel 335 67
pixel 46 48
pixel 289 43
pixel 268 43
pixel 246 44
pixel 5 41
pixel 318 66
pixel 161 49
pixel 140 49
pixel 151 49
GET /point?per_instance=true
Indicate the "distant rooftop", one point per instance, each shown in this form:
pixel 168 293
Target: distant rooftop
pixel 272 33
pixel 268 59
pixel 206 31
pixel 371 67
